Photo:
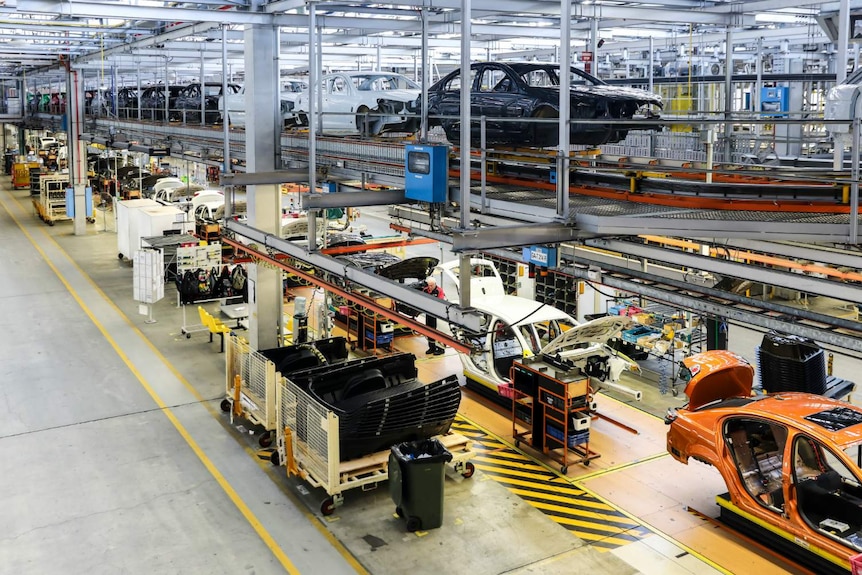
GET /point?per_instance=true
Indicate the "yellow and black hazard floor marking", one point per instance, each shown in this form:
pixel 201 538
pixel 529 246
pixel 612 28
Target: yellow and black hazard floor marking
pixel 582 513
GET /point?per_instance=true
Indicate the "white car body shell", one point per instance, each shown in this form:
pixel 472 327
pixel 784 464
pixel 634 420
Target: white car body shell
pixel 519 327
pixel 350 101
pixel 290 91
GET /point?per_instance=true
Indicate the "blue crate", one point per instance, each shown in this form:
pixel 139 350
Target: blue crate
pixel 632 335
pixel 575 438
pixel 382 338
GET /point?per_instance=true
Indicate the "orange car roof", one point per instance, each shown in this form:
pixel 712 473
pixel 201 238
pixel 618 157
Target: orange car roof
pixel 803 411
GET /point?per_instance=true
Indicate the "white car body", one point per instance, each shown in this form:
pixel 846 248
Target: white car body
pixel 205 203
pixel 365 103
pixel 166 183
pixel 519 327
pixel 291 88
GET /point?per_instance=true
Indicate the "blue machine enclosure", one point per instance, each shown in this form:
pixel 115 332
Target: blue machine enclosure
pixel 426 177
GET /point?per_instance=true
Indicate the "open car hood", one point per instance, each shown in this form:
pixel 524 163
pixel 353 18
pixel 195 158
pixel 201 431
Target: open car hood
pixel 599 330
pixel 717 375
pixel 418 268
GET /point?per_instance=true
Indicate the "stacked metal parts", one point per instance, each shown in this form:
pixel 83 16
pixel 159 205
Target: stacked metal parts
pixel 791 363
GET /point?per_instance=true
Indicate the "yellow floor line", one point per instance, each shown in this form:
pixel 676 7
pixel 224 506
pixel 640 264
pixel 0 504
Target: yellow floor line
pixel 208 464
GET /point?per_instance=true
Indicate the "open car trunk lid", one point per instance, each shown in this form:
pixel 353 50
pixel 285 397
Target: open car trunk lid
pixel 599 330
pixel 716 375
pixel 417 267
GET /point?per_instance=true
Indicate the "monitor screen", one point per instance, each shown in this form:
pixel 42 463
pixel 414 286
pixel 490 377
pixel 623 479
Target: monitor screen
pixel 419 162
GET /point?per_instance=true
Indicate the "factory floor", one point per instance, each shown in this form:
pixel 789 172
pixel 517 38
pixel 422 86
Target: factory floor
pixel 115 456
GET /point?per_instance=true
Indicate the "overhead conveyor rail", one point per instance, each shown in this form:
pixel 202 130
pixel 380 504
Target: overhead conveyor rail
pixel 713 302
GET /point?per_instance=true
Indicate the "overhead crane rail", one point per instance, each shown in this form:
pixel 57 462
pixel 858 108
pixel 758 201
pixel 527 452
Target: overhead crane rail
pixel 628 178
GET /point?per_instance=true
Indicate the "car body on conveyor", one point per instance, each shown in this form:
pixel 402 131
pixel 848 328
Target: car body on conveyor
pixel 365 103
pixel 519 327
pixel 791 461
pixel 515 96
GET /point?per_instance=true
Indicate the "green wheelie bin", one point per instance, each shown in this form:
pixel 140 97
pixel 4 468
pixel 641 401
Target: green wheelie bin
pixel 416 473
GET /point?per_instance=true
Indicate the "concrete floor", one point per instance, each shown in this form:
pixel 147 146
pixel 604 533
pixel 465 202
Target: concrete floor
pixel 115 457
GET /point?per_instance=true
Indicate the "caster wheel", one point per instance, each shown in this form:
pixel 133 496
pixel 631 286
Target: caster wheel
pixel 119 256
pixel 399 512
pixel 188 336
pixel 587 463
pixel 674 391
pixel 564 469
pixel 51 224
pixel 265 440
pixel 413 524
pixel 469 470
pixel 517 443
pixel 327 508
pixel 225 405
pixel 275 459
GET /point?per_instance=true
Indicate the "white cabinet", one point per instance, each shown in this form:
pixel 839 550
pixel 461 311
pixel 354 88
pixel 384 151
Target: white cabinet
pixel 127 225
pixel 156 220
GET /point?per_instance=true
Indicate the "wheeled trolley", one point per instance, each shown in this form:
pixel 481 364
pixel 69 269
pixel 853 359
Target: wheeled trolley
pixel 250 387
pixel 308 445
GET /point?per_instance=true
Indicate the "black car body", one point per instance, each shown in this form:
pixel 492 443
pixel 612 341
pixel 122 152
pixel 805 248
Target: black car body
pixel 153 102
pixel 530 90
pixel 188 103
pixel 127 102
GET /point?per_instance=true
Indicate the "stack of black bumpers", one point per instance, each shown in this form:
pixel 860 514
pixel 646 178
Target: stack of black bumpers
pixel 380 402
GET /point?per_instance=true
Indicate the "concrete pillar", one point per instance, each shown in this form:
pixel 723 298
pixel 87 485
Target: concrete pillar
pixel 76 152
pixel 262 155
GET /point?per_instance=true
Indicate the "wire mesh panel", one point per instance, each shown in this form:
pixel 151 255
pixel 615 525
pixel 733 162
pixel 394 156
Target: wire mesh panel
pixel 258 382
pixel 314 436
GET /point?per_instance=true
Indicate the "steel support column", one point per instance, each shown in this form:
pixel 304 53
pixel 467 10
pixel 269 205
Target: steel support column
pixel 565 102
pixel 264 200
pixel 76 149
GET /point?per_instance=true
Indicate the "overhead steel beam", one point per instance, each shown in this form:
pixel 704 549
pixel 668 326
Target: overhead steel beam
pixel 635 226
pixel 767 276
pixel 511 236
pixel 823 254
pixel 128 11
pixel 344 199
pixel 467 318
pixel 514 211
pixel 264 178
pixel 738 308
pixel 179 31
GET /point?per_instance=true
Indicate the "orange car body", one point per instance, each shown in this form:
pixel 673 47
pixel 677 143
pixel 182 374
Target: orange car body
pixel 791 461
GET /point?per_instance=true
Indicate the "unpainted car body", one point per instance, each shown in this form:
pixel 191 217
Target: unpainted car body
pixel 366 103
pixel 515 97
pixel 291 88
pixel 791 461
pixel 127 102
pixel 188 103
pixel 153 102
